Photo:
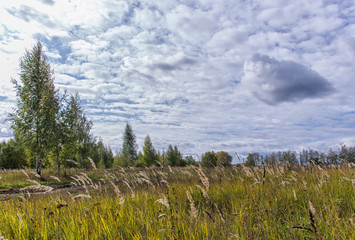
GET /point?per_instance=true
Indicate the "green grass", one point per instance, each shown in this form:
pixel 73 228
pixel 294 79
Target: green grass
pixel 240 203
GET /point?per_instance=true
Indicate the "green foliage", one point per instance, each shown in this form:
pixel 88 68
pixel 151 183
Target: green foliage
pixel 150 156
pixel 76 128
pixel 347 154
pixel 209 159
pixel 140 162
pixel 279 202
pixel 332 157
pixel 129 147
pixel 224 159
pixel 162 159
pixel 47 125
pixel 107 157
pixel 174 157
pixel 12 155
pixel 190 161
pixel 102 155
pixel 37 104
pixel 252 159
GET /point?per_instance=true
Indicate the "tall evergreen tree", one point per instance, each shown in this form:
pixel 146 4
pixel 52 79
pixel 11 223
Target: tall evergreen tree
pixel 129 147
pixel 37 104
pixel 150 156
pixel 174 157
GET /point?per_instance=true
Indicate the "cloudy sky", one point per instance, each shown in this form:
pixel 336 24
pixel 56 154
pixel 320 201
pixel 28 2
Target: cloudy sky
pixel 203 75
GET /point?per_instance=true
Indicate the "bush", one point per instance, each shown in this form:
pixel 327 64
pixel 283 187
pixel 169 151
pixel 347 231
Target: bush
pixel 12 156
pixel 209 159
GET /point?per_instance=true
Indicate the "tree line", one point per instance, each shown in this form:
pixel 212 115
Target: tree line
pixel 130 156
pixel 311 156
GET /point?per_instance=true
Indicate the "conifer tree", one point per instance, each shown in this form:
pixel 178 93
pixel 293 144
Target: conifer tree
pixel 129 147
pixel 150 156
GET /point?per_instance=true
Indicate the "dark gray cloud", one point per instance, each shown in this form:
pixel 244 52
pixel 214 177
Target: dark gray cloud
pixel 274 81
pixel 27 14
pixel 174 66
pixel 48 2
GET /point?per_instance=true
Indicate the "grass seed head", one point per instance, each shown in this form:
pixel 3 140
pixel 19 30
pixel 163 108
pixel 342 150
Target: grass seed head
pixel 132 192
pixel 294 194
pixel 72 161
pixel 92 163
pixel 118 192
pixel 312 208
pixel 203 178
pixel 164 201
pixel 55 178
pixel 24 172
pixel 204 193
pixel 192 205
pixel 82 196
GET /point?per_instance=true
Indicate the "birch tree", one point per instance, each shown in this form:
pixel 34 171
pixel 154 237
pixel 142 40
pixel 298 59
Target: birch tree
pixel 33 120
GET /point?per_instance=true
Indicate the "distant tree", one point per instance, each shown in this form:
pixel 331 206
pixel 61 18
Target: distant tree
pixel 140 162
pixel 332 157
pixel 304 157
pixel 322 158
pixel 118 159
pixel 75 127
pixel 270 159
pixel 129 148
pixel 252 159
pixel 105 154
pixel 37 104
pixel 12 155
pixel 190 161
pixel 224 159
pixel 174 157
pixel 108 157
pixel 344 153
pixel 150 156
pixel 180 162
pixel 313 156
pixel 170 156
pixel 209 159
pixel 289 157
pixel 162 159
pixel 351 154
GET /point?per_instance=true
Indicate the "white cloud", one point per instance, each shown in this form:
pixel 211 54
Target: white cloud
pixel 184 71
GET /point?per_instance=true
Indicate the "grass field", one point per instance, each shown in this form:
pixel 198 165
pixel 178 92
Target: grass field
pixel 275 202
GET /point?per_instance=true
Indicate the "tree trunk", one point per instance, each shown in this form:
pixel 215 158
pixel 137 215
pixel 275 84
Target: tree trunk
pixel 39 161
pixel 58 162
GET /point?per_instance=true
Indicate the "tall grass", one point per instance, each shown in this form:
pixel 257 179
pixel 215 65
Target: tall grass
pixel 280 202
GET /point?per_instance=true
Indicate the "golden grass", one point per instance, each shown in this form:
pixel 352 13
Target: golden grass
pixel 276 202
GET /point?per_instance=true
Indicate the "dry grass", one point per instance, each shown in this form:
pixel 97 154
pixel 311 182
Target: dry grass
pixel 276 202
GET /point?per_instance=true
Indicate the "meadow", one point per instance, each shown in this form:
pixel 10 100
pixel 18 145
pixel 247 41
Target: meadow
pixel 264 202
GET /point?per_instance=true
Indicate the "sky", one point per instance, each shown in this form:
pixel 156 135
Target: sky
pixel 238 76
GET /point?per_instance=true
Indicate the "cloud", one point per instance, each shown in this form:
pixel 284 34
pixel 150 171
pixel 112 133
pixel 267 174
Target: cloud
pixel 167 67
pixel 182 71
pixel 274 81
pixel 48 2
pixel 28 14
pixel 193 25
